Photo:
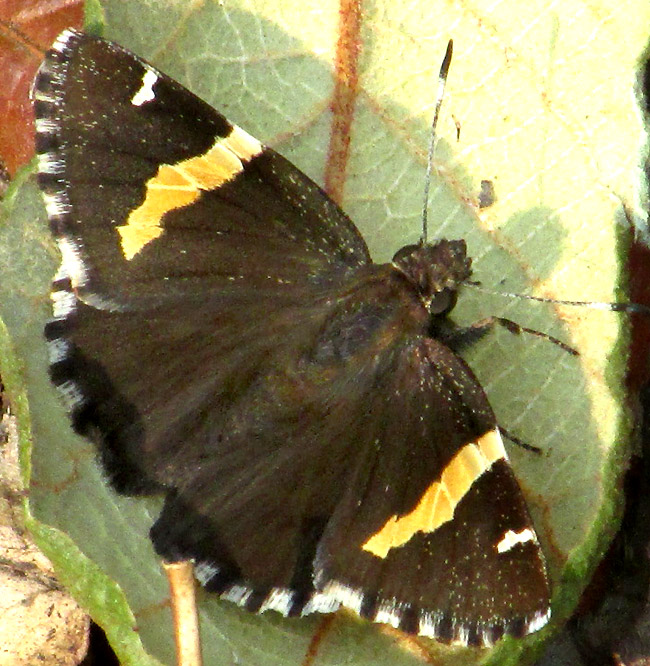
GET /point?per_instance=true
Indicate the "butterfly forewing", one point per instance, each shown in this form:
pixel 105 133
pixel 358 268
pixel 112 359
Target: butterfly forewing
pixel 179 203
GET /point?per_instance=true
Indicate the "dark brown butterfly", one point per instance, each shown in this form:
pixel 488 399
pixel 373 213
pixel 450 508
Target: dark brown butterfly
pixel 222 334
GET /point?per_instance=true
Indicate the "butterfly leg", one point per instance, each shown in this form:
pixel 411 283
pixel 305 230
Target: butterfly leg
pixel 462 337
pixel 519 442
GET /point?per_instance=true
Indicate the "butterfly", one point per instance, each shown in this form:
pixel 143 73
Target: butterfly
pixel 222 334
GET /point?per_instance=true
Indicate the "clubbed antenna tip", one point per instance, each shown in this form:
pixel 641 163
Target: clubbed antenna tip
pixel 442 80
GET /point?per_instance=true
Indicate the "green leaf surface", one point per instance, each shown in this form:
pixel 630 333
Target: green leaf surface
pixel 543 95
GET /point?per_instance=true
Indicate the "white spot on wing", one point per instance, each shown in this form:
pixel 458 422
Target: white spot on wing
pixel 204 572
pixel 46 125
pixel 50 164
pixel 462 636
pixel 63 303
pixel 511 538
pixel 238 594
pixel 429 624
pixel 58 350
pixel 321 603
pixel 389 613
pixel 55 204
pixel 279 599
pixel 41 96
pixel 72 261
pixel 539 620
pixel 61 43
pixel 71 395
pixel 347 596
pixel 146 93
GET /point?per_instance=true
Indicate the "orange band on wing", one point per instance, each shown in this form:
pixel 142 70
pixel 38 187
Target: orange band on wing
pixel 178 185
pixel 439 501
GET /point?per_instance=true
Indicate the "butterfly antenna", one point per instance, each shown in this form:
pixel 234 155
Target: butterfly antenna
pixel 636 308
pixel 442 80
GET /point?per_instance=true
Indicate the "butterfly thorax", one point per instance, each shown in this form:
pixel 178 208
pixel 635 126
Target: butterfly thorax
pixel 382 305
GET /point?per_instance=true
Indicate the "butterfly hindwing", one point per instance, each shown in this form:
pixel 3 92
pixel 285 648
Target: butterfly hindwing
pixel 456 514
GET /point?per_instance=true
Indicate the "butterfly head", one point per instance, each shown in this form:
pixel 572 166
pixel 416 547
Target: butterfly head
pixel 436 270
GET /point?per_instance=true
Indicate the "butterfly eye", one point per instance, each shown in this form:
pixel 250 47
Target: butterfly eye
pixel 402 255
pixel 443 302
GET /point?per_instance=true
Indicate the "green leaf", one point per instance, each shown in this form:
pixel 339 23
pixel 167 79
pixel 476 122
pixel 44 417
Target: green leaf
pixel 542 93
